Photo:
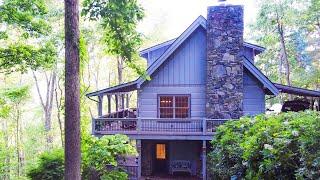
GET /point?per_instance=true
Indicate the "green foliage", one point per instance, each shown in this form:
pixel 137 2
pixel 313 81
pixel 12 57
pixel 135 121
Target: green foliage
pixel 298 23
pixel 114 175
pixel 25 24
pixel 119 19
pixel 284 146
pixel 16 94
pixel 27 14
pixel 49 167
pixel 22 57
pixel 99 152
pixel 11 102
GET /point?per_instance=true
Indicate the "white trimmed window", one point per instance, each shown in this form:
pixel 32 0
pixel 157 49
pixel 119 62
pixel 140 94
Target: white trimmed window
pixel 174 106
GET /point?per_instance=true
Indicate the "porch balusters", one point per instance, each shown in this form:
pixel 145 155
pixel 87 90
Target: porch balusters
pixel 140 125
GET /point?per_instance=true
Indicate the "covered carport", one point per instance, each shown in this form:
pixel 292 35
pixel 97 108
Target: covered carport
pixel 304 98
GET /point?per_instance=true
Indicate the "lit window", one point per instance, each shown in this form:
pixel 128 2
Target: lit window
pixel 161 151
pixel 174 106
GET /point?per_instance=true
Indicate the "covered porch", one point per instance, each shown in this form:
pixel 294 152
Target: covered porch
pixel 301 99
pixel 118 113
pixel 165 159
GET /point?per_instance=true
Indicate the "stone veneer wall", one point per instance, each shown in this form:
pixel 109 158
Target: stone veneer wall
pixel 224 85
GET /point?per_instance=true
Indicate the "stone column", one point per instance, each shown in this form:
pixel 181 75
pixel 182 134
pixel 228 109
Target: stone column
pixel 224 86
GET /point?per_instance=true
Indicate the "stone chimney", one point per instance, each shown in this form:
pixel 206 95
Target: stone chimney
pixel 224 85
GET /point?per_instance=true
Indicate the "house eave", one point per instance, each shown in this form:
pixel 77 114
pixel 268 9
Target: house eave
pixel 297 91
pixel 125 87
pixel 260 76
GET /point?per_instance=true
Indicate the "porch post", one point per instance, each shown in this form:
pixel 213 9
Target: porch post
pixel 122 101
pixel 204 126
pixel 109 104
pixel 138 145
pixel 117 104
pixel 204 160
pixel 100 105
pixel 127 101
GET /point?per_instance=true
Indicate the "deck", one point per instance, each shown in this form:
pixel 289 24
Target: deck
pixel 156 126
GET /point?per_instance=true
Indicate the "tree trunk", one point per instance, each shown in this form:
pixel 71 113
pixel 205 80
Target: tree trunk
pixel 18 143
pixel 120 69
pixel 72 91
pixel 7 159
pixel 285 58
pixel 48 102
pixel 120 80
pixel 59 109
pixel 280 68
pixel 284 50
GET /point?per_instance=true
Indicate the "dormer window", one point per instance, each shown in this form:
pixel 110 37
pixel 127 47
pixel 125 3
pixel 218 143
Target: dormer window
pixel 174 106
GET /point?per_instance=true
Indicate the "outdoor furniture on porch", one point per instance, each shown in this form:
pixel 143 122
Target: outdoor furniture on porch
pixel 181 166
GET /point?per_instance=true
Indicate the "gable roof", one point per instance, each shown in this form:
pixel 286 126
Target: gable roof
pixel 201 22
pixel 175 43
pixel 260 76
pixel 258 49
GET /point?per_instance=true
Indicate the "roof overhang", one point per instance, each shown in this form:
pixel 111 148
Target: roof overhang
pixel 297 91
pixel 267 84
pixel 121 88
pixel 257 49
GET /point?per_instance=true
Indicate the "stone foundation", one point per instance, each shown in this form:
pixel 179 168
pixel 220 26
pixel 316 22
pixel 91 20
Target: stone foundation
pixel 224 86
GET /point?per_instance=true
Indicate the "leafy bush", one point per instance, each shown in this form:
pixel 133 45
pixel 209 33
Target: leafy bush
pixel 50 166
pixel 97 153
pixel 284 146
pixel 114 175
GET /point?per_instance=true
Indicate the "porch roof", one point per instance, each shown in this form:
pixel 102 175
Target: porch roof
pixel 297 91
pixel 125 87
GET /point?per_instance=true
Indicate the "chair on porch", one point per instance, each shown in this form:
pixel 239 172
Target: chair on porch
pixel 181 166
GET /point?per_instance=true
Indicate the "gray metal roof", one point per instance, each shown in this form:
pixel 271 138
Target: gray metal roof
pixel 297 91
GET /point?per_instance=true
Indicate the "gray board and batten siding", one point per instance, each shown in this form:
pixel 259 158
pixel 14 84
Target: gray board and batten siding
pixel 184 72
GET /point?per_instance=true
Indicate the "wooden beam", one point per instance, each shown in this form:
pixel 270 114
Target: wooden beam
pixel 100 98
pixel 127 101
pixel 109 104
pixel 122 101
pixel 117 104
pixel 204 160
pixel 138 145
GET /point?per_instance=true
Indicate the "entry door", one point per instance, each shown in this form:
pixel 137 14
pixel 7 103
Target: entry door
pixel 161 163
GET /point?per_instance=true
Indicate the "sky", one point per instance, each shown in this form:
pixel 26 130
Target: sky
pixel 172 17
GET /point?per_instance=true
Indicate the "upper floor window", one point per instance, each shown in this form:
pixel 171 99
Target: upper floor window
pixel 174 106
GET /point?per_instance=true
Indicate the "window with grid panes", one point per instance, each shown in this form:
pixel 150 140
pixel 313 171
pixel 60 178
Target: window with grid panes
pixel 174 106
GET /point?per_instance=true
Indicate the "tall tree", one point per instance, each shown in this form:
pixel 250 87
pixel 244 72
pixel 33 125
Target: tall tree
pixel 275 21
pixel 25 23
pixel 119 19
pixel 72 91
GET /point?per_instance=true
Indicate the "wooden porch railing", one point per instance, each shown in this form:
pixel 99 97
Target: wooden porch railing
pixel 155 126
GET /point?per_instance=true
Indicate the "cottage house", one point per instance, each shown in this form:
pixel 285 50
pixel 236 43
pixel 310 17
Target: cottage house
pixel 199 80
